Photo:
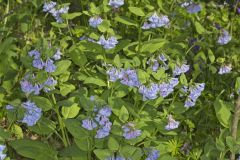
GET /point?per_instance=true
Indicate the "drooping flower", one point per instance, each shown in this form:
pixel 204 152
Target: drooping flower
pixel 95 21
pixel 34 53
pixel 195 92
pixel 110 43
pixel 2 155
pixel 49 84
pixel 26 86
pixel 49 66
pixel 172 124
pixel 9 107
pixel 32 113
pixel 224 38
pixel 116 3
pixel 156 21
pixel 180 69
pixel 162 58
pixel 115 74
pixel 104 130
pixel 149 92
pixel 57 55
pixel 48 6
pixel 38 63
pixel 130 78
pixel 153 154
pixel 225 69
pixel 89 124
pixel 129 131
pixel 194 8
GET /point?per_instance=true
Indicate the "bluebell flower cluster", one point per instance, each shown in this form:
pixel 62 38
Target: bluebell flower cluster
pixel 180 69
pixel 155 64
pixel 55 11
pixel 195 92
pixel 129 131
pixel 87 38
pixel 89 124
pixel 166 88
pixel 156 21
pixel 149 92
pixel 101 121
pixel 9 107
pixel 95 21
pixel 116 3
pixel 28 88
pixel 109 43
pixel 39 64
pixel 172 123
pixel 224 38
pixel 32 114
pixel 2 155
pixel 127 77
pixel 153 154
pixel 191 7
pixel 116 158
pixel 225 69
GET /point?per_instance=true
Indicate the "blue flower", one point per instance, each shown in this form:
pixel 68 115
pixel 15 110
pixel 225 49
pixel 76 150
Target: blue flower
pixel 110 43
pixel 129 131
pixel 149 92
pixel 50 81
pixel 195 92
pixel 180 69
pixel 166 88
pixel 194 8
pixel 89 124
pixel 224 38
pixel 32 114
pixel 26 86
pixel 49 66
pixel 38 63
pixel 34 53
pixel 105 111
pixel 130 78
pixel 225 69
pixel 9 107
pixel 156 21
pixel 104 131
pixel 95 21
pixel 115 74
pixel 153 155
pixel 162 58
pixel 116 3
pixel 172 124
pixel 48 6
pixel 2 155
pixel 57 55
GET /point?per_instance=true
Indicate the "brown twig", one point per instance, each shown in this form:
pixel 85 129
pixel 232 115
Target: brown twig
pixel 235 124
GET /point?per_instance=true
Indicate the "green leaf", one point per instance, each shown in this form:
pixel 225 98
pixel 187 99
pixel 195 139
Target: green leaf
pixel 223 112
pixel 59 25
pixel 62 67
pixel 70 111
pixel 78 57
pixel 34 149
pixel 183 79
pixel 66 88
pixel 71 15
pixel 153 45
pixel 43 127
pixel 113 144
pixel 97 81
pixel 126 20
pixel 137 11
pixel 237 85
pixel 143 76
pixel 104 26
pixel 17 131
pixel 74 127
pixel 211 56
pixel 199 28
pixel 102 154
pixel 42 102
pixel 123 114
pixel 117 61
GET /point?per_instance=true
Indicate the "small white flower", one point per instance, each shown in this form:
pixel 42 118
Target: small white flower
pixel 225 69
pixel 172 124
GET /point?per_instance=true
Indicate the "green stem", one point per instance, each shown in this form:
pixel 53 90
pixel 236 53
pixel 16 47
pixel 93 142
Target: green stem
pixel 60 121
pixel 234 127
pixel 139 38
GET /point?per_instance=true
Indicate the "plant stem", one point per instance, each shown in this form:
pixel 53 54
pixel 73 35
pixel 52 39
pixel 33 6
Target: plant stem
pixel 235 124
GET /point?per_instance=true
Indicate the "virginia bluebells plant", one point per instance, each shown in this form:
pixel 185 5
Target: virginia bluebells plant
pixel 57 55
pixel 38 63
pixel 166 88
pixel 95 21
pixel 116 3
pixel 224 38
pixel 194 8
pixel 172 124
pixel 130 78
pixel 9 107
pixel 49 66
pixel 149 92
pixel 110 43
pixel 115 74
pixel 89 124
pixel 32 114
pixel 156 21
pixel 153 154
pixel 129 131
pixel 225 69
pixel 34 53
pixel 2 155
pixel 180 69
pixel 195 92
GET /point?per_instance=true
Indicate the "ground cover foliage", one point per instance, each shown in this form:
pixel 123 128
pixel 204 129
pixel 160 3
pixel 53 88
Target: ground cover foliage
pixel 119 80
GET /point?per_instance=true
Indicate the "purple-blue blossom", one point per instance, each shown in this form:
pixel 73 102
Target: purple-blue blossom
pixel 38 63
pixel 28 88
pixel 156 21
pixel 116 3
pixel 162 58
pixel 130 78
pixel 225 69
pixel 194 8
pixel 109 43
pixel 150 92
pixel 95 21
pixel 115 74
pixel 180 69
pixel 48 6
pixel 129 131
pixel 49 66
pixel 224 38
pixel 57 55
pixel 89 124
pixel 172 123
pixel 153 154
pixel 9 107
pixel 34 53
pixel 32 113
pixel 104 130
pixel 195 92
pixel 2 155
